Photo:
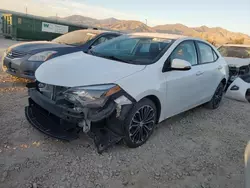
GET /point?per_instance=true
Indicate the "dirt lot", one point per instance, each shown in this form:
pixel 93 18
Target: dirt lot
pixel 197 149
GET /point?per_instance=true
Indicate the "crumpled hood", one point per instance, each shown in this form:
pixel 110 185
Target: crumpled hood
pixel 237 62
pixel 80 69
pixel 36 46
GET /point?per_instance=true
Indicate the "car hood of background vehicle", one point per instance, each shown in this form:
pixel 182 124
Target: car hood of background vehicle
pixel 237 62
pixel 80 69
pixel 37 46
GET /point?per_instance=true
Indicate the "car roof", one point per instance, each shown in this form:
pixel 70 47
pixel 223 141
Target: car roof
pixel 237 45
pixel 95 31
pixel 159 35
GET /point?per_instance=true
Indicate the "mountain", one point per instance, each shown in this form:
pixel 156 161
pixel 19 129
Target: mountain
pixel 215 34
pixel 128 26
pixel 176 29
pixel 77 19
pixel 108 21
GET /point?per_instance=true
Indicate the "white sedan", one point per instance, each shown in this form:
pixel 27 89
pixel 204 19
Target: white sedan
pixel 125 87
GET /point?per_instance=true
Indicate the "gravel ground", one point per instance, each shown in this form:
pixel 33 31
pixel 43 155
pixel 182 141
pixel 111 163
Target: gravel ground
pixel 199 148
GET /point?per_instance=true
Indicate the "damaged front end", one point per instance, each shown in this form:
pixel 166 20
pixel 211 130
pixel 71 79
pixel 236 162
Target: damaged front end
pixel 238 87
pixel 237 71
pixel 61 112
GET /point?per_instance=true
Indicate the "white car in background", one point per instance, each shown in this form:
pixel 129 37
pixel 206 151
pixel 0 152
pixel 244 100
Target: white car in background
pixel 237 56
pixel 238 59
pixel 125 87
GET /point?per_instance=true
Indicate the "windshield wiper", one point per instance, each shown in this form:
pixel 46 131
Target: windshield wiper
pixel 117 59
pixel 91 52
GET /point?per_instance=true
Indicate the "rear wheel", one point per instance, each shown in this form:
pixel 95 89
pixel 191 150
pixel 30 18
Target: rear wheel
pixel 217 97
pixel 140 123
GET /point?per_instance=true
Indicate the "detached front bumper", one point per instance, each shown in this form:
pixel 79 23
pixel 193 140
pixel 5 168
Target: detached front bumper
pixel 59 121
pixel 239 89
pixel 50 124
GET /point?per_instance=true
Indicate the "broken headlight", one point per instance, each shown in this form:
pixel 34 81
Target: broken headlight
pixel 91 96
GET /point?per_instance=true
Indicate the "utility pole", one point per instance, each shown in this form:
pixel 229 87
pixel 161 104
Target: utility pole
pixel 26 10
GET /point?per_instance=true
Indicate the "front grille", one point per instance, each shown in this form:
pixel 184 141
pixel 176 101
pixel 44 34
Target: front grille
pixel 16 54
pixel 12 69
pixel 29 73
pixel 244 70
pixel 234 72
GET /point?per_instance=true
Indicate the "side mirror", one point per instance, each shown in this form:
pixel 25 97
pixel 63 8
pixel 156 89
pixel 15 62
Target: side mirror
pixel 179 64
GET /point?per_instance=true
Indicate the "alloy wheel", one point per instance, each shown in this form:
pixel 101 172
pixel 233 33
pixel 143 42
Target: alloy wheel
pixel 218 96
pixel 142 124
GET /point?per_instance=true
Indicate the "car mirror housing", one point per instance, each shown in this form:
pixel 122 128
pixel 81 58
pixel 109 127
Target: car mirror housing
pixel 179 64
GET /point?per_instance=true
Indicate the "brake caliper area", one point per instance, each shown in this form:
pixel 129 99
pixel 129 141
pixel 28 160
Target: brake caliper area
pixel 105 126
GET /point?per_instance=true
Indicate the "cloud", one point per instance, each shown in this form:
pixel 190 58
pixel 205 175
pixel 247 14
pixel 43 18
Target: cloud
pixel 63 8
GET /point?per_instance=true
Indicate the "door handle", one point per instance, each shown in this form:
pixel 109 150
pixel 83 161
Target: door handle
pixel 220 67
pixel 199 73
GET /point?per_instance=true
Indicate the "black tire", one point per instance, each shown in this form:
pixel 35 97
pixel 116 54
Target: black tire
pixel 138 132
pixel 217 97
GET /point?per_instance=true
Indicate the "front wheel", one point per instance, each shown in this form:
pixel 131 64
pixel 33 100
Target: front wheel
pixel 217 97
pixel 140 123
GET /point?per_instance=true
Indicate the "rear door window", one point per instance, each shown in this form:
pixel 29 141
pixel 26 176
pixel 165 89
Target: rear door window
pixel 207 54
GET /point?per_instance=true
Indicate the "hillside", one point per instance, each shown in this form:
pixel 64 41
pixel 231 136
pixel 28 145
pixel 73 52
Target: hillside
pixel 77 19
pixel 128 26
pixel 176 29
pixel 216 34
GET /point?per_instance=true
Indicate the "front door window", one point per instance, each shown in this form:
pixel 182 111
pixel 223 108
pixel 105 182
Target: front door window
pixel 185 51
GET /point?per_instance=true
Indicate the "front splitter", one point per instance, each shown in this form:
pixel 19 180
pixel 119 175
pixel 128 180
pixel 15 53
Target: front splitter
pixel 50 125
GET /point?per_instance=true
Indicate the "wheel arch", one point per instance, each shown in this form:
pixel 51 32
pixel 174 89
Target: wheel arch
pixel 157 103
pixel 224 81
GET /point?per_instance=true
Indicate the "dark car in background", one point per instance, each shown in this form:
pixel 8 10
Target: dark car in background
pixel 23 59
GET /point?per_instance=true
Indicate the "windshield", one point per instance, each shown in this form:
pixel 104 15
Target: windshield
pixel 75 38
pixel 235 51
pixel 133 49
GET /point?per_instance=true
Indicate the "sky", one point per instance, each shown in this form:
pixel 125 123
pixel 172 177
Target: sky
pixel 229 14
